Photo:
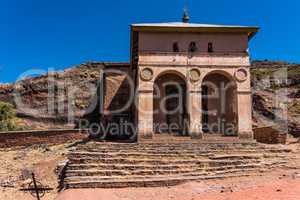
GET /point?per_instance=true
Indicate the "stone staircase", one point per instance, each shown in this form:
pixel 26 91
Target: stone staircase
pixel 116 165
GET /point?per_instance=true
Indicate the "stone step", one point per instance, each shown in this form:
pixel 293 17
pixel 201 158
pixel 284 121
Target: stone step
pixel 187 148
pixel 176 145
pixel 233 167
pixel 119 183
pixel 159 161
pixel 208 163
pixel 191 174
pixel 182 147
pixel 136 155
pixel 275 155
pixel 166 143
pixel 100 158
pixel 274 163
pixel 168 151
pixel 161 181
pixel 130 161
pixel 112 165
pixel 115 177
pixel 100 166
pixel 181 171
pixel 236 156
pixel 70 173
pixel 177 149
pixel 118 155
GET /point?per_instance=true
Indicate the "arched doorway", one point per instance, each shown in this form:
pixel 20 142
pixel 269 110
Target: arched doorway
pixel 219 104
pixel 169 106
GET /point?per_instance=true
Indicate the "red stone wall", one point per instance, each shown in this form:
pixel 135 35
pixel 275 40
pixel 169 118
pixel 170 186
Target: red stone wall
pixel 269 135
pixel 163 42
pixel 117 88
pixel 27 138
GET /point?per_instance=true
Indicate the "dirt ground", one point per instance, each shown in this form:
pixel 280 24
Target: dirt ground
pixel 16 165
pixel 274 186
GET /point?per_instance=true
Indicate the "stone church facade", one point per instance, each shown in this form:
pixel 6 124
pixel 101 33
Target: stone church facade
pixel 192 63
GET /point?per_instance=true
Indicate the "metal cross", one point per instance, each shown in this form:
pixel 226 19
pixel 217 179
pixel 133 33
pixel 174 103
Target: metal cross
pixel 36 189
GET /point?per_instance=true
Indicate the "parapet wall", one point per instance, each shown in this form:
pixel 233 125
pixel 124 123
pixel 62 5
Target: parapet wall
pixel 27 138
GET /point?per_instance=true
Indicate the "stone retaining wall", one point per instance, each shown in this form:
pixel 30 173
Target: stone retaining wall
pixel 269 135
pixel 27 138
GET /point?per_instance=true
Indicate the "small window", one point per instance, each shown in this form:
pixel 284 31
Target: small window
pixel 193 47
pixel 175 47
pixel 210 48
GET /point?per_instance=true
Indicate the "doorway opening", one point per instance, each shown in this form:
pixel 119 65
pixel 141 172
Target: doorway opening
pixel 219 104
pixel 169 112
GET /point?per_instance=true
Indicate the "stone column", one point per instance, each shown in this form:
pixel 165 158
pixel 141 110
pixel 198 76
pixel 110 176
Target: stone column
pixel 244 104
pixel 145 114
pixel 195 113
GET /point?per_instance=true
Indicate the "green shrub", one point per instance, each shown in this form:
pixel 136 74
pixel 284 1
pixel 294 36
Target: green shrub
pixel 6 111
pixel 8 119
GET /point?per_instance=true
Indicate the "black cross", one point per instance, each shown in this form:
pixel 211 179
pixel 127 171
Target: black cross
pixel 36 189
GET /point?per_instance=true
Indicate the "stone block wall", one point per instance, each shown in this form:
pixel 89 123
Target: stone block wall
pixel 269 135
pixel 28 138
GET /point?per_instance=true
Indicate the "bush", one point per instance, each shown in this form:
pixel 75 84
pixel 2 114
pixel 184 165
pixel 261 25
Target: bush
pixel 6 111
pixel 8 119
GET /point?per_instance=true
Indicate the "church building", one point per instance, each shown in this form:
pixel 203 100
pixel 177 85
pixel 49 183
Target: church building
pixel 193 79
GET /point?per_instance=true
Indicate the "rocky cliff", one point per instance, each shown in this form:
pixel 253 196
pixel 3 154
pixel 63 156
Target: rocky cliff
pixel 46 101
pixel 276 95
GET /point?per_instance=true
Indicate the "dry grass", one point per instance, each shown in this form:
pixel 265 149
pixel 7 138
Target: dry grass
pixel 294 107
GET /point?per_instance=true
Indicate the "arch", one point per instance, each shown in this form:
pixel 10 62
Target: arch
pixel 219 103
pixel 221 72
pixel 171 72
pixel 169 103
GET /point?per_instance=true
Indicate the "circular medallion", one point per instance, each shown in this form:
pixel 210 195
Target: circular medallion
pixel 241 74
pixel 195 75
pixel 147 74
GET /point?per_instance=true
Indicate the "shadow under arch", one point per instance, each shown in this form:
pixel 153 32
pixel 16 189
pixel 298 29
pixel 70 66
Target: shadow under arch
pixel 219 103
pixel 171 72
pixel 169 103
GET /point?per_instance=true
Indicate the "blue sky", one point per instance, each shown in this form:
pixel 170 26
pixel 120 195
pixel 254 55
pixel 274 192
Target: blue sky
pixel 42 34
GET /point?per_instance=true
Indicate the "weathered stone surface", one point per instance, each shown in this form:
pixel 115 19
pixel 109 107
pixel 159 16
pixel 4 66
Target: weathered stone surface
pixel 109 165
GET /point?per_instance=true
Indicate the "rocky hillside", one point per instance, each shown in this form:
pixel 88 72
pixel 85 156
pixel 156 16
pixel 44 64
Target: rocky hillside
pixel 45 101
pixel 276 86
pixel 276 95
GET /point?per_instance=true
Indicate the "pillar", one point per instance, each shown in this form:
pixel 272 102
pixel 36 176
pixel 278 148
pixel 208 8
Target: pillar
pixel 145 114
pixel 244 104
pixel 195 113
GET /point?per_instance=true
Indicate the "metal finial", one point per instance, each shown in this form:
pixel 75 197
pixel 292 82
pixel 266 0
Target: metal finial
pixel 186 17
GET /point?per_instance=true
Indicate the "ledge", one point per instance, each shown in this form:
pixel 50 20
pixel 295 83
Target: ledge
pixel 197 59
